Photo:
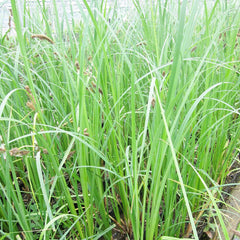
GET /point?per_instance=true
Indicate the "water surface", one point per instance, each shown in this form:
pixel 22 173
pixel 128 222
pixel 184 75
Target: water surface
pixel 72 7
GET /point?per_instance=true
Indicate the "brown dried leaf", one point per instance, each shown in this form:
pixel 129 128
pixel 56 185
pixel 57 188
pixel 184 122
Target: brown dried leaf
pixel 209 234
pixel 153 102
pixel 93 84
pixel 2 149
pixel 85 133
pixel 70 154
pixel 100 91
pixel 42 37
pixel 16 152
pixel 45 151
pixel 23 152
pixel 193 49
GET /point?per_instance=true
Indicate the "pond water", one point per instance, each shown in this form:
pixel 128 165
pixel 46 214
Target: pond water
pixel 72 7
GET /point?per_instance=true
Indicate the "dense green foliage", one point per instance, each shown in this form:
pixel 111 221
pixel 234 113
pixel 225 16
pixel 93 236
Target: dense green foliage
pixel 128 125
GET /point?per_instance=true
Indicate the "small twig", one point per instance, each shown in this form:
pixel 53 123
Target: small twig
pixel 236 232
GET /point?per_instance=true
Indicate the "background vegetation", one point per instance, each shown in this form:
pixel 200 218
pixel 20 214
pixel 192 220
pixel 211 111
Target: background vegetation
pixel 118 125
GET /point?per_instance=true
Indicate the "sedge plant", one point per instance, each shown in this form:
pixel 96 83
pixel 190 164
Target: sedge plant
pixel 117 124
